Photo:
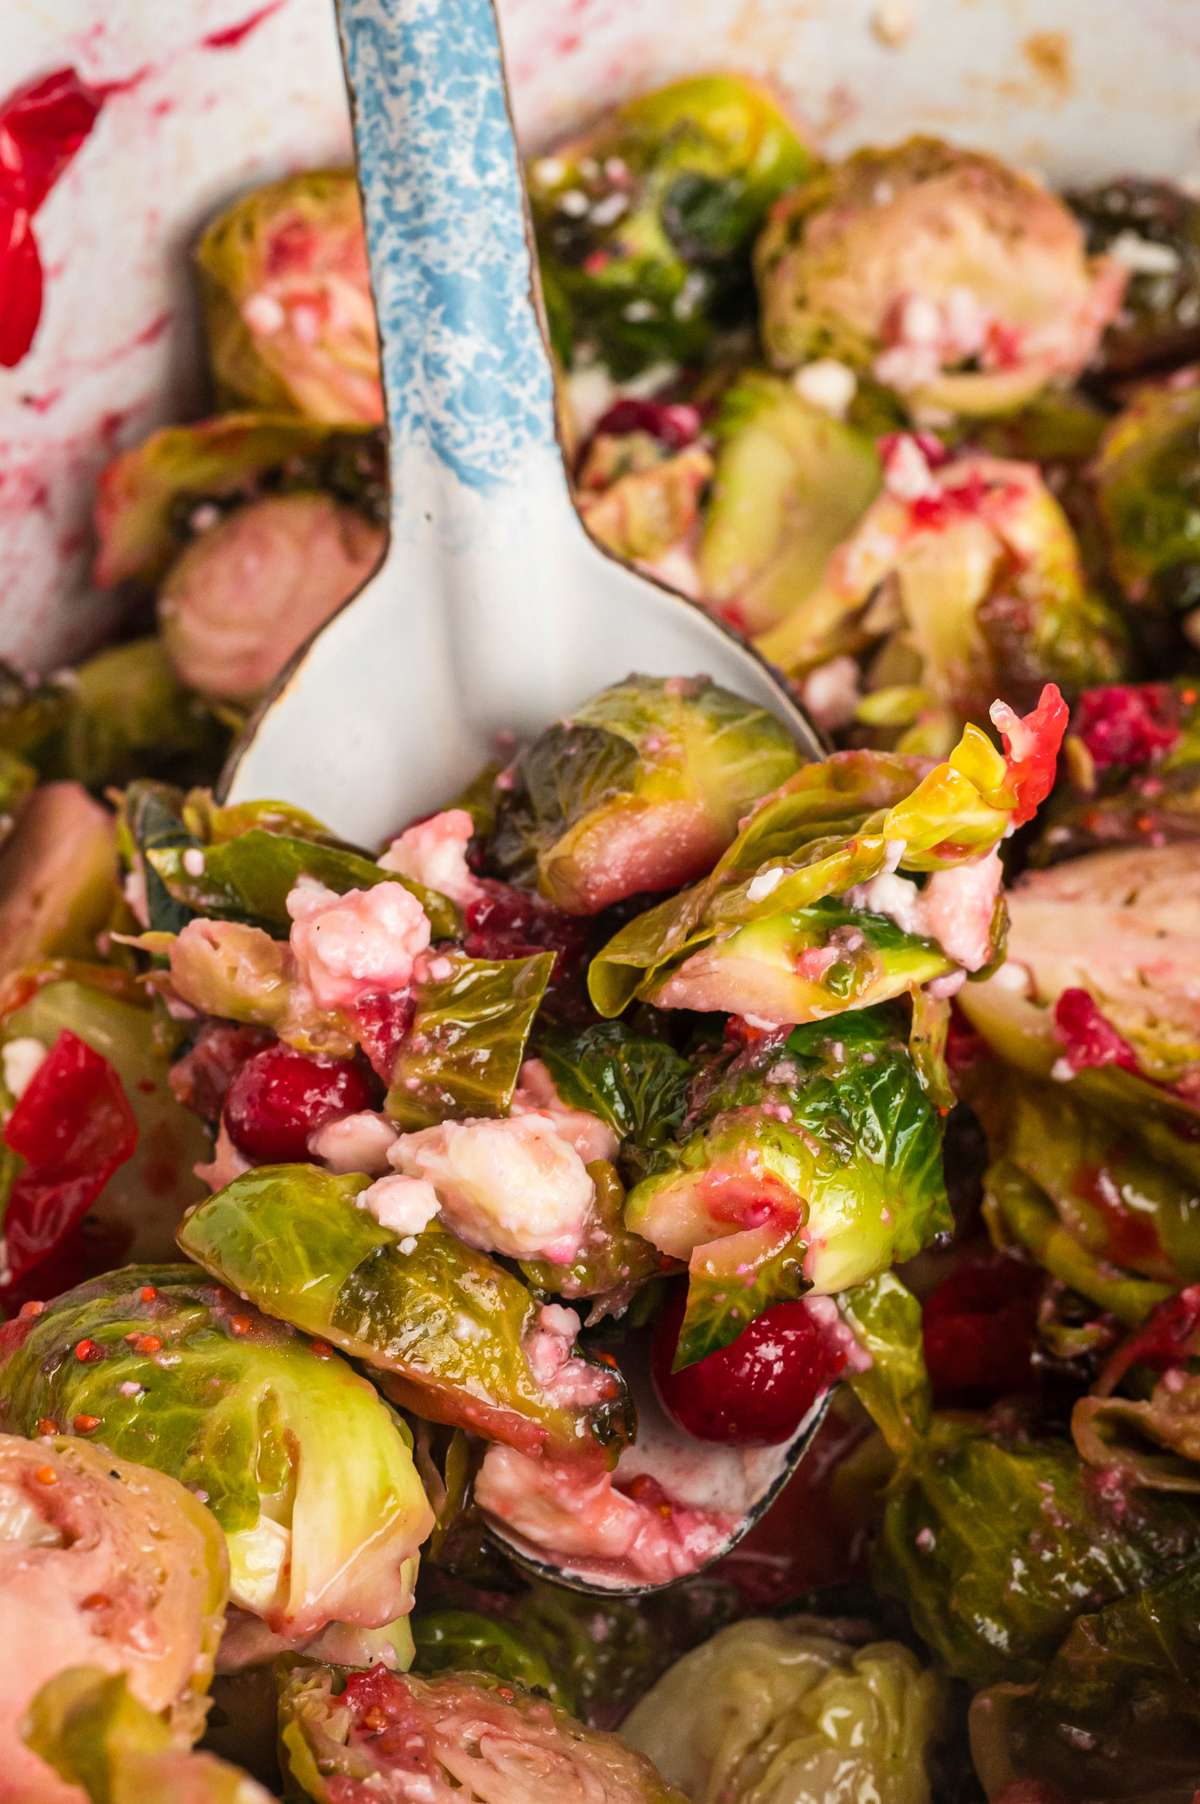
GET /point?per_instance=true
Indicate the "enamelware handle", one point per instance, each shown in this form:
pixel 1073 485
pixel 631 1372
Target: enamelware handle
pixel 465 368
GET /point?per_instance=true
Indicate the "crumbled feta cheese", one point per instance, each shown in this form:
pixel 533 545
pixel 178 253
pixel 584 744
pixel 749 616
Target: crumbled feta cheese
pixel 434 853
pixel 574 203
pixel 355 1143
pixel 536 1095
pixel 193 861
pixel 761 886
pixel 606 212
pixel 958 906
pixel 20 1059
pixel 826 384
pixel 134 891
pixel 830 692
pixel 263 314
pixel 896 897
pixel 548 172
pixel 907 474
pixel 228 1162
pixel 355 945
pixel 404 1205
pixel 514 1186
pixel 1143 256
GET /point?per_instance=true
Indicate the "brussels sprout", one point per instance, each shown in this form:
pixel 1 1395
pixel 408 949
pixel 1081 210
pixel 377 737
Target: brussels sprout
pixel 779 1709
pixel 107 1563
pixel 790 485
pixel 248 878
pixel 300 1462
pixel 130 715
pixel 1019 1212
pixel 247 594
pixel 641 789
pixel 636 1084
pixel 1153 229
pixel 826 831
pixel 30 710
pixel 965 581
pixel 1114 1714
pixel 812 1164
pixel 612 1264
pixel 885 1319
pixel 58 877
pixel 1147 477
pixel 151 818
pixel 995 1540
pixel 641 513
pixel 226 969
pixel 453 1640
pixel 287 301
pixel 16 780
pixel 472 1732
pixel 957 281
pixel 1119 925
pixel 463 1053
pixel 94 1732
pixel 140 1207
pixel 645 225
pixel 446 1328
pixel 151 500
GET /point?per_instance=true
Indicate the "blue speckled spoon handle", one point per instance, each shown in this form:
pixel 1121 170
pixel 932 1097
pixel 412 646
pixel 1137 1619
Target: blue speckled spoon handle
pixel 464 367
pixel 493 610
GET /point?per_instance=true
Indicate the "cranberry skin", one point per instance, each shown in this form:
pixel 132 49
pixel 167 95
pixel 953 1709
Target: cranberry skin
pixel 978 1328
pixel 280 1096
pixel 754 1393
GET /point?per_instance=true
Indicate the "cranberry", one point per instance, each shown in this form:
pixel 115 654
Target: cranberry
pixel 280 1096
pixel 673 423
pixel 201 1078
pixel 1127 723
pixel 1086 1037
pixel 754 1393
pixel 510 923
pixel 978 1329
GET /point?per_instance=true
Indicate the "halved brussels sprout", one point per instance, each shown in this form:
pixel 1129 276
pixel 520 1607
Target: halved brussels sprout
pixel 782 1709
pixel 401 1739
pixel 147 499
pixel 449 1332
pixel 641 789
pixel 448 1640
pixel 1147 484
pixel 110 1564
pixel 246 594
pixel 140 1207
pixel 813 1164
pixel 288 309
pixel 964 581
pixel 58 877
pixel 645 225
pixel 966 1512
pixel 790 484
pixel 1153 229
pixel 956 280
pixel 1121 926
pixel 760 935
pixel 95 1733
pixel 301 1463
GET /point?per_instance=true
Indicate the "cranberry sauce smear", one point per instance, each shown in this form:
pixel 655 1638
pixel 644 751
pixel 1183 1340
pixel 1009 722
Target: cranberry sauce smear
pixel 978 1328
pixel 1127 723
pixel 41 128
pixel 280 1096
pixel 754 1393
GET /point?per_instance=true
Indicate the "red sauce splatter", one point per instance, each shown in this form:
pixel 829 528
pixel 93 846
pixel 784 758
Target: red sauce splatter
pixel 233 35
pixel 41 127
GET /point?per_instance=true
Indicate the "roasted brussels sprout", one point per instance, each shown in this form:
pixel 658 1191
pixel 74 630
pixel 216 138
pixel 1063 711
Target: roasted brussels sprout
pixel 1118 926
pixel 404 1738
pixel 58 877
pixel 963 581
pixel 151 501
pixel 448 1640
pixel 763 935
pixel 782 1709
pixel 1153 230
pixel 247 593
pixel 642 788
pixel 812 1164
pixel 107 1564
pixel 790 484
pixel 957 281
pixel 304 1246
pixel 291 324
pixel 131 715
pixel 301 1463
pixel 645 225
pixel 95 1733
pixel 1147 487
pixel 639 505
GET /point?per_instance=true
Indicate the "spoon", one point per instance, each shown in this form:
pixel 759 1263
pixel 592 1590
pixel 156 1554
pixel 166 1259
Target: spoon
pixel 493 611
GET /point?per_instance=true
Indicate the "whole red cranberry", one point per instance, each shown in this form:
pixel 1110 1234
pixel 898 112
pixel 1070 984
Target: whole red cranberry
pixel 280 1096
pixel 978 1328
pixel 754 1393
